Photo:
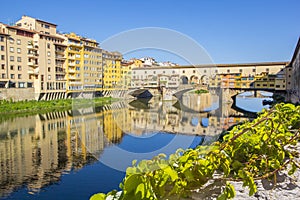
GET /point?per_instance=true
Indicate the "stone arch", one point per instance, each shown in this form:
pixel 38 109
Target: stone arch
pixel 184 80
pixel 194 79
pixel 203 80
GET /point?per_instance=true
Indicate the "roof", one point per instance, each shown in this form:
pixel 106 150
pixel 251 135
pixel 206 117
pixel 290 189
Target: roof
pixel 46 22
pixel 216 65
pixel 19 28
pixel 296 50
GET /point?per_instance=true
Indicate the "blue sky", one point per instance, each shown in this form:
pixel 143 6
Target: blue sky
pixel 232 31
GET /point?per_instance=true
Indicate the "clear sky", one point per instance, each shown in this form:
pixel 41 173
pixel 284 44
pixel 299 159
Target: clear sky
pixel 231 31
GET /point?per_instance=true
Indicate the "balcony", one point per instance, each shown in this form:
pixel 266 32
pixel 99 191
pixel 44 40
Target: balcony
pixel 71 71
pixel 32 55
pixel 71 57
pixel 33 72
pixel 75 44
pixel 71 64
pixel 30 46
pixel 32 64
pixel 58 57
pixel 72 78
pixel 59 51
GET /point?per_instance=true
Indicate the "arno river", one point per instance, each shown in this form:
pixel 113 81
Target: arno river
pixel 74 154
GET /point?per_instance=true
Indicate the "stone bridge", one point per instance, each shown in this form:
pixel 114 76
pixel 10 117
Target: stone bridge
pixel 167 93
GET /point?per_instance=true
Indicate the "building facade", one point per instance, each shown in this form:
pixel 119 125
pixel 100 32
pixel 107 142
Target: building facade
pixel 39 63
pixel 252 75
pixel 295 65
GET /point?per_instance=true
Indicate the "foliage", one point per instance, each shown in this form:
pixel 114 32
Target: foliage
pixel 201 91
pixel 250 151
pixel 10 109
pixel 32 105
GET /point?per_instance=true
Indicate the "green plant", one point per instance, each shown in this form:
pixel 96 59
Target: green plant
pixel 250 151
pixel 201 91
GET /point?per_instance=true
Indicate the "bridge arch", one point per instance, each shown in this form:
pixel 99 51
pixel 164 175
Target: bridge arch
pixel 184 80
pixel 194 79
pixel 204 80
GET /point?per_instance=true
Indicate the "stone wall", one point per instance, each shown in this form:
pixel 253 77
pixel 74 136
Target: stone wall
pixel 17 94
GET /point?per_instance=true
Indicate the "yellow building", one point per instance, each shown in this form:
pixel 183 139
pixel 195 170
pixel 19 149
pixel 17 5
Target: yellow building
pixel 111 70
pixel 84 65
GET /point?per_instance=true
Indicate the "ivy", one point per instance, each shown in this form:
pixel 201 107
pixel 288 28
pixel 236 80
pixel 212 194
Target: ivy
pixel 250 151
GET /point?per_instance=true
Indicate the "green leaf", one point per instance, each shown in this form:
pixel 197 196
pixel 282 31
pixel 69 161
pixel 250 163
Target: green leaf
pixel 99 196
pixel 231 190
pixel 172 173
pixel 140 191
pixel 222 196
pixel 131 182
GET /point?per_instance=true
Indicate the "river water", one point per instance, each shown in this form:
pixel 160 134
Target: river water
pixel 76 153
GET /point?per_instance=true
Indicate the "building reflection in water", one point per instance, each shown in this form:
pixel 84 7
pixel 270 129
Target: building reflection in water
pixel 36 150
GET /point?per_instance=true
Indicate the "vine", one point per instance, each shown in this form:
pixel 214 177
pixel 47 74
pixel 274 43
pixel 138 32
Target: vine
pixel 250 151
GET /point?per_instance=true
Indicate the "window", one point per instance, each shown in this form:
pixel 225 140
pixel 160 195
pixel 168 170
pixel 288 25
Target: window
pixel 12 76
pixel 194 71
pixel 18 41
pixel 47 26
pixel 48 53
pixel 2 66
pixel 11 49
pixel 3 76
pixel 11 40
pixel 49 61
pixel 2 57
pixel 18 50
pixel 253 70
pixel 2 48
pixel 21 85
pixel 183 71
pixel 49 77
pixel 19 68
pixel 1 39
pixel 48 45
pixel 11 58
pixel 49 69
pixel 241 70
pixel 267 69
pixel 12 67
pixel 19 76
pixel 19 59
pixel 228 70
pixel 30 85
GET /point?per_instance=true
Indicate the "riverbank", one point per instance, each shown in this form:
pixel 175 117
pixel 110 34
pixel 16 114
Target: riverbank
pixel 22 108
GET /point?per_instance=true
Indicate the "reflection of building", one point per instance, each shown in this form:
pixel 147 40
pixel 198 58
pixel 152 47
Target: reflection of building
pixel 36 150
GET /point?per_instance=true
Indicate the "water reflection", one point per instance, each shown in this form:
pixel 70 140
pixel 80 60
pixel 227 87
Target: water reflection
pixel 35 151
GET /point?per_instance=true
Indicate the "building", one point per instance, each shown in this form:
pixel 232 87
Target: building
pixel 83 66
pixel 222 75
pixel 28 59
pixel 111 70
pixel 39 63
pixel 295 65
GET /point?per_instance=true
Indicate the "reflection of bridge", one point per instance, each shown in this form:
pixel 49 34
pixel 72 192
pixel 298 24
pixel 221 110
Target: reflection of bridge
pixel 67 139
pixel 164 91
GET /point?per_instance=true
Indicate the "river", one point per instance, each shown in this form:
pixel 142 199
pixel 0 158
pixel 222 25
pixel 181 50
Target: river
pixel 76 153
